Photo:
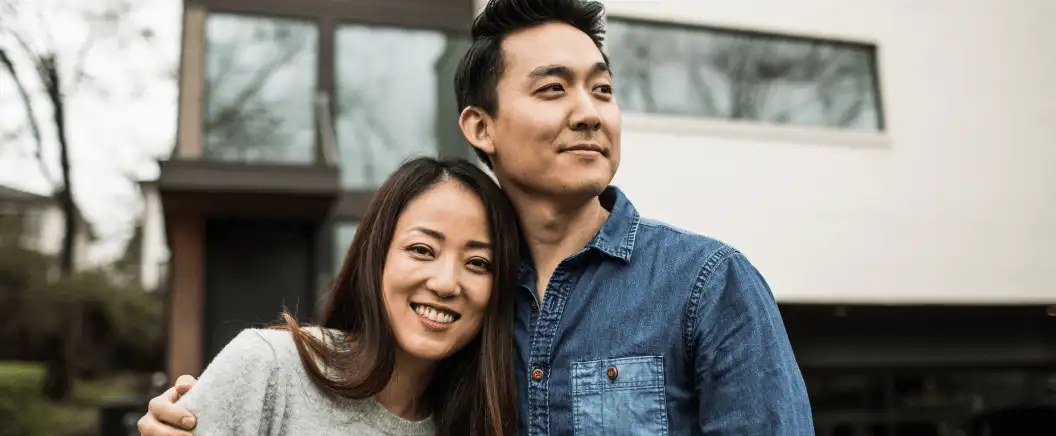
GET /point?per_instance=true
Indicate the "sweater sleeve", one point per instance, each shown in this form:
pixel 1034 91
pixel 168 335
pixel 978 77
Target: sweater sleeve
pixel 242 392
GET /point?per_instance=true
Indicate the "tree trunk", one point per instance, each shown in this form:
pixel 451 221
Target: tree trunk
pixel 57 378
pixel 69 208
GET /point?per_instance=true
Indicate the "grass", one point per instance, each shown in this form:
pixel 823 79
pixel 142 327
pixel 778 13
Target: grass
pixel 25 412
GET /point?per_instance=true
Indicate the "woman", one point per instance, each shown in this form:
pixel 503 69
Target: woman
pixel 417 335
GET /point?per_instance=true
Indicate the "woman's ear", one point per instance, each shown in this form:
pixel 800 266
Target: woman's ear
pixel 475 123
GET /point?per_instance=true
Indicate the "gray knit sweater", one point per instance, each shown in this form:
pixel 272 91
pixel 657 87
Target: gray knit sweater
pixel 258 386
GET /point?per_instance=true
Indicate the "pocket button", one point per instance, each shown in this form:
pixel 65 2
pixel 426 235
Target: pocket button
pixel 612 372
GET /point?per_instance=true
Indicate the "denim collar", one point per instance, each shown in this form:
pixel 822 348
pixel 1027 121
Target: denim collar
pixel 615 238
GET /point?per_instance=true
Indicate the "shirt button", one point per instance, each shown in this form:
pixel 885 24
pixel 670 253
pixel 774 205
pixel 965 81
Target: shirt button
pixel 535 306
pixel 537 374
pixel 612 372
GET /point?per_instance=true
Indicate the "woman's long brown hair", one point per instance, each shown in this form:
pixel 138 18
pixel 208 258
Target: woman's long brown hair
pixel 473 391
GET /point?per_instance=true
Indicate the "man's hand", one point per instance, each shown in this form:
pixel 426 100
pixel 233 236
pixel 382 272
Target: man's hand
pixel 164 417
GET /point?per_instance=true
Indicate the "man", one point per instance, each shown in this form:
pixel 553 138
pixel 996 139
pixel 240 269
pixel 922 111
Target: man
pixel 624 325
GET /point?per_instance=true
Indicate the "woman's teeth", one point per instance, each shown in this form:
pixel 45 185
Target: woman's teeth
pixel 434 315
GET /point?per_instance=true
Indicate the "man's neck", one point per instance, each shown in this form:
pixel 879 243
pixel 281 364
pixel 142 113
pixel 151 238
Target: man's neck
pixel 555 230
pixel 403 395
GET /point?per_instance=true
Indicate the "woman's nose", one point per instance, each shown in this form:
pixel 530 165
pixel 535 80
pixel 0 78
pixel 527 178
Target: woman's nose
pixel 444 281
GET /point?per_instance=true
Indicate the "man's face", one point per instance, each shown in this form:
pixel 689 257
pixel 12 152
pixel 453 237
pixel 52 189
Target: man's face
pixel 557 128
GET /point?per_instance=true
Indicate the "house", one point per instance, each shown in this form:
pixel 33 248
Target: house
pixel 280 147
pixel 145 261
pixel 885 166
pixel 36 222
pixel 888 168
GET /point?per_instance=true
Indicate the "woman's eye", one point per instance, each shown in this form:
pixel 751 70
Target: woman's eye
pixel 420 250
pixel 480 264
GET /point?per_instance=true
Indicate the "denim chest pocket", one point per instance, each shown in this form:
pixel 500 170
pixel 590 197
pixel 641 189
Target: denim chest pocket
pixel 619 397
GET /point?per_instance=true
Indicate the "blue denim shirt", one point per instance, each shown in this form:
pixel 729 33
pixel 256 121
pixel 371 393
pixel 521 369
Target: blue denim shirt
pixel 651 330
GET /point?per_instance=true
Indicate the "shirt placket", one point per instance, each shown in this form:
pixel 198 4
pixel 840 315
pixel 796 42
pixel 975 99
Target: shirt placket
pixel 547 317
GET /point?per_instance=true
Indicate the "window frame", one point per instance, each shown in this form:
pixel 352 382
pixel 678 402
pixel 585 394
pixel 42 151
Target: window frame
pixel 658 123
pixel 316 157
pixel 451 17
pixel 345 210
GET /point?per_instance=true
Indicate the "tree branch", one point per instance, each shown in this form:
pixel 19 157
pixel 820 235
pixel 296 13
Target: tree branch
pixel 30 114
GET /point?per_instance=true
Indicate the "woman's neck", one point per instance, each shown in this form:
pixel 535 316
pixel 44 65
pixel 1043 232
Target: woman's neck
pixel 404 395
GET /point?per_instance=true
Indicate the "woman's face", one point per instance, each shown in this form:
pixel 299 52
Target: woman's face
pixel 437 279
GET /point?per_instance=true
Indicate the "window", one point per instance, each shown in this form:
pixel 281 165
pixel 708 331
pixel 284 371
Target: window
pixel 343 234
pixel 260 82
pixel 702 72
pixel 394 99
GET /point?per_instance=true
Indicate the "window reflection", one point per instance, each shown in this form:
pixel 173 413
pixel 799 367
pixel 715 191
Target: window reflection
pixel 343 234
pixel 260 81
pixel 394 99
pixel 717 74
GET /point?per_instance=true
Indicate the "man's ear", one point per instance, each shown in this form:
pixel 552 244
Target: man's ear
pixel 475 125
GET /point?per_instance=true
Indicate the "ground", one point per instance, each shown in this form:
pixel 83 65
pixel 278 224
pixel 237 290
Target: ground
pixel 25 412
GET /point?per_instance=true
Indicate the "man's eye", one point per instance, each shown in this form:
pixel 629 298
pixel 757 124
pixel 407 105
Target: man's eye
pixel 554 87
pixel 607 89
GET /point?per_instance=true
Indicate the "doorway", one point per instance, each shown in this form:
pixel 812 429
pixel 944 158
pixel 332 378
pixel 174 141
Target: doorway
pixel 254 270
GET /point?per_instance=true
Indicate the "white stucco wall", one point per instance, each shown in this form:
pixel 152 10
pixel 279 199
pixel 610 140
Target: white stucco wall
pixel 52 231
pixel 956 203
pixel 155 251
pixel 953 204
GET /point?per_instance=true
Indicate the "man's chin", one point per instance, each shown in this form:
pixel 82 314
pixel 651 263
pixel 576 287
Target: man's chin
pixel 571 185
pixel 582 189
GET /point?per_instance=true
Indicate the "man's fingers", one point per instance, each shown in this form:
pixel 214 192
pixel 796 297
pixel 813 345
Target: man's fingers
pixel 163 412
pixel 183 384
pixel 148 426
pixel 171 395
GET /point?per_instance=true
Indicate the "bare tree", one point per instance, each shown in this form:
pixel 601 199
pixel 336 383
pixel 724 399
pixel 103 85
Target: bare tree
pixel 57 381
pixel 27 45
pixel 31 116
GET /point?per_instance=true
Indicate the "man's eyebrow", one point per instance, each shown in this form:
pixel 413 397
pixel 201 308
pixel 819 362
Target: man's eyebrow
pixel 600 67
pixel 551 70
pixel 565 72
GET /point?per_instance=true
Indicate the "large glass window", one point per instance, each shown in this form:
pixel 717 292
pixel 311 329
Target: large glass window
pixel 395 99
pixel 343 234
pixel 260 82
pixel 692 71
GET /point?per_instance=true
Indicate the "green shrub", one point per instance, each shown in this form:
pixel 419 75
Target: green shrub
pixel 23 411
pixel 101 317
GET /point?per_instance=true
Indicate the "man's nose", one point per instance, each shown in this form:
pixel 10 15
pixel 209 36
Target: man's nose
pixel 585 116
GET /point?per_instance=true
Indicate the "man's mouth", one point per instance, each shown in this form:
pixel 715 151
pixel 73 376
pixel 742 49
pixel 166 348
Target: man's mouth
pixel 584 148
pixel 435 314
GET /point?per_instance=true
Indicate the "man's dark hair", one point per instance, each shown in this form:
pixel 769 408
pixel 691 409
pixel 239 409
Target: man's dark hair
pixel 478 73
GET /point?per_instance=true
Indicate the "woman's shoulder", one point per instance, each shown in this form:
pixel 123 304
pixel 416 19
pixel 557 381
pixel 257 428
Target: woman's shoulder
pixel 281 339
pixel 278 344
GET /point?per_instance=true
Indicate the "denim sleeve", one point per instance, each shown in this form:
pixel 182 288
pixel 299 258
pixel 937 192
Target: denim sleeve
pixel 747 377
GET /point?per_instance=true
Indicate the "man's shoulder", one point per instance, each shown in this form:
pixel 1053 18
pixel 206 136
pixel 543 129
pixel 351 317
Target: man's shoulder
pixel 670 240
